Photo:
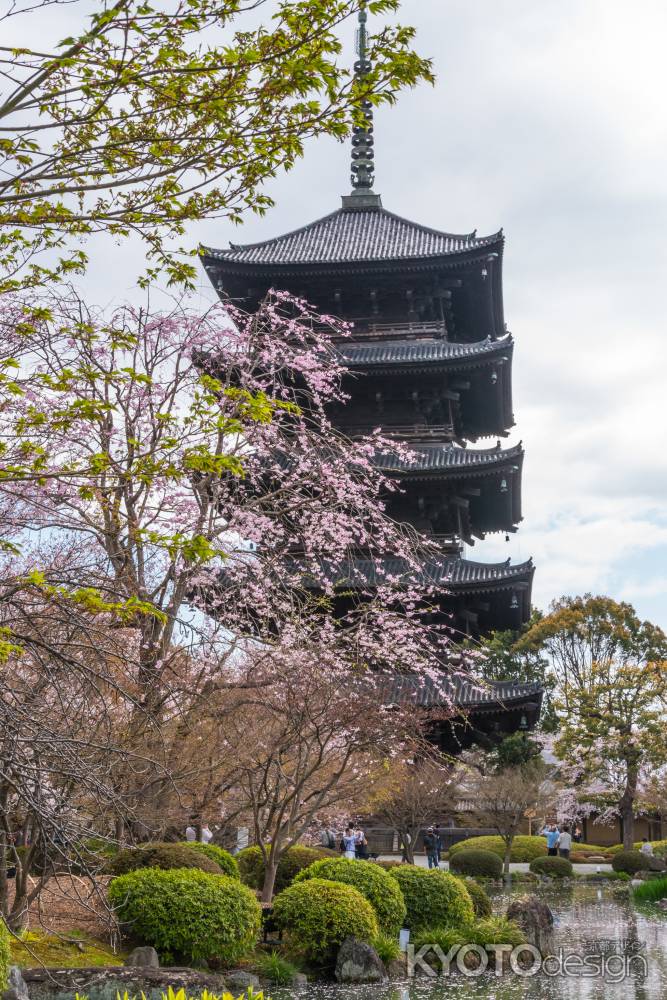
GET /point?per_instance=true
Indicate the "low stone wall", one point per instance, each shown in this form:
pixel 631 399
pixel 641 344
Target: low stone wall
pixel 106 983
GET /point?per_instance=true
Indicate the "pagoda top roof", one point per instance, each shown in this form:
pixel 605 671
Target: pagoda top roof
pixel 448 458
pixel 365 234
pixel 462 691
pixel 367 355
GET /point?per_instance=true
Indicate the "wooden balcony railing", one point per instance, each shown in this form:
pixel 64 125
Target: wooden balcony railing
pixel 369 330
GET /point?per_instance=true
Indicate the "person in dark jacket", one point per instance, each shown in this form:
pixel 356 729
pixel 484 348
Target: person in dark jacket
pixel 430 846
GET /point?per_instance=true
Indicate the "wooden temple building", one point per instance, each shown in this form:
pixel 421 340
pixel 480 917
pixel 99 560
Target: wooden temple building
pixel 430 363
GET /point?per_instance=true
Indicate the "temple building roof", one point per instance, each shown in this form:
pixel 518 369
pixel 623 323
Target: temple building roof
pixel 420 352
pixel 355 235
pixel 450 458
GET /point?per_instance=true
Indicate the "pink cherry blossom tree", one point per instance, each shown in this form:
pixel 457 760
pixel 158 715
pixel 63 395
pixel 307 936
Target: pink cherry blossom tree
pixel 188 463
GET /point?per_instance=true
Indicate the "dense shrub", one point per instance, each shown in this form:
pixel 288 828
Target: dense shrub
pixel 494 930
pixel 628 861
pixel 523 848
pixel 476 862
pixel 222 858
pixel 165 856
pixel 480 899
pixel 374 884
pixel 276 968
pixel 5 956
pixel 294 860
pixel 554 867
pixel 387 947
pixel 187 916
pixel 317 915
pixel 433 898
pixel 444 937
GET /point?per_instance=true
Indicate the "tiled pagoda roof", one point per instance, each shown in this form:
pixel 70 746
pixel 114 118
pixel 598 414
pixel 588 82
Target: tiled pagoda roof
pixel 448 572
pixel 460 690
pixel 449 458
pixel 351 235
pixel 420 352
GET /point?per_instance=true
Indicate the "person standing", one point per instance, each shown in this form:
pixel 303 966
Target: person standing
pixel 361 844
pixel 349 844
pixel 206 834
pixel 551 833
pixel 565 842
pixel 646 848
pixel 190 833
pixel 438 842
pixel 328 838
pixel 430 848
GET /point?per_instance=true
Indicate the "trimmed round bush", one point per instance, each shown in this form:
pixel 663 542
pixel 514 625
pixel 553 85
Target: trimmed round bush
pixel 187 915
pixel 374 884
pixel 165 856
pixel 5 955
pixel 480 899
pixel 294 860
pixel 554 867
pixel 225 861
pixel 476 862
pixel 317 915
pixel 433 898
pixel 629 861
pixel 523 848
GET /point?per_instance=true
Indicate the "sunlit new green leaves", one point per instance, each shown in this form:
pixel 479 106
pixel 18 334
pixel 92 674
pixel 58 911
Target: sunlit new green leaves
pixel 151 117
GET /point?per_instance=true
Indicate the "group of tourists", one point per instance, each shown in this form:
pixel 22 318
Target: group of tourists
pixel 353 844
pixel 205 835
pixel 559 840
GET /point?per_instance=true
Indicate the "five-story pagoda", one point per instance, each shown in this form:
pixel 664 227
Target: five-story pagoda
pixel 430 363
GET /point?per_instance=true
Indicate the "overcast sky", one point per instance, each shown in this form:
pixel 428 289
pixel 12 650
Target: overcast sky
pixel 548 119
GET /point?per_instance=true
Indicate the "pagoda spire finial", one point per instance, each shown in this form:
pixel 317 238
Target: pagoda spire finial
pixel 363 156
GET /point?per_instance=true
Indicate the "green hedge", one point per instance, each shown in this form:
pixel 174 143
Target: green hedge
pixel 523 848
pixel 5 955
pixel 554 867
pixel 317 915
pixel 374 884
pixel 294 860
pixel 187 915
pixel 476 862
pixel 165 856
pixel 223 859
pixel 629 861
pixel 433 898
pixel 480 898
pixel 659 847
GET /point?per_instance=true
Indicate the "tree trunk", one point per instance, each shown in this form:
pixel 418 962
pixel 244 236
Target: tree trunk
pixel 270 871
pixel 17 918
pixel 626 807
pixel 508 856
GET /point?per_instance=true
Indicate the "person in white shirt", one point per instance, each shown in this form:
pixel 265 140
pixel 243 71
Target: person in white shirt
pixel 206 835
pixel 565 842
pixel 190 834
pixel 646 847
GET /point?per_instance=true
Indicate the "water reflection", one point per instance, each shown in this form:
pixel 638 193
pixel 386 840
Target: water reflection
pixel 599 925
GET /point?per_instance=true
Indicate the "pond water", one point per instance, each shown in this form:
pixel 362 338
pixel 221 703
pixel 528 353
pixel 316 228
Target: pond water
pixel 625 949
